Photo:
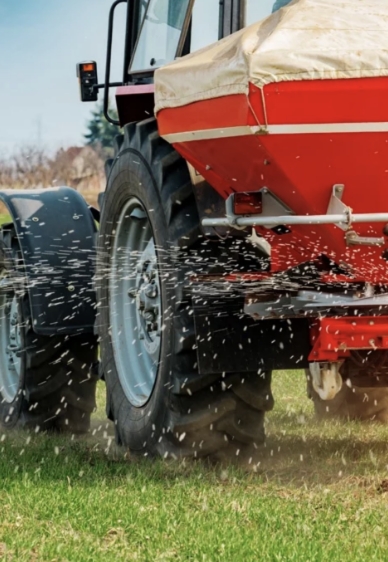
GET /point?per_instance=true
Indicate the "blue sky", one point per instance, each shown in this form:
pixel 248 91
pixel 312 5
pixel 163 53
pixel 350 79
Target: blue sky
pixel 40 43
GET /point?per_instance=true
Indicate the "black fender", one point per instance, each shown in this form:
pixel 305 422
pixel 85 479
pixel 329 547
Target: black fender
pixel 57 237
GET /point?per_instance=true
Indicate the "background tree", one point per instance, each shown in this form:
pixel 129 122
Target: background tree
pixel 100 134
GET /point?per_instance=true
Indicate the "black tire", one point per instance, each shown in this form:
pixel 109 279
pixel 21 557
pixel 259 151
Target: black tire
pixel 57 380
pixel 187 414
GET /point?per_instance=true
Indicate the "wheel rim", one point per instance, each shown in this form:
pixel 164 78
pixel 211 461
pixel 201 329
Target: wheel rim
pixel 135 304
pixel 10 343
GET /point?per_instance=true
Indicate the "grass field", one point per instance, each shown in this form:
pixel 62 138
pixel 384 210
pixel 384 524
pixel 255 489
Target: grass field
pixel 314 493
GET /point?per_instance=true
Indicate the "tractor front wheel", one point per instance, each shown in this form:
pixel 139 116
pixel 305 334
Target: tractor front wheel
pixel 158 401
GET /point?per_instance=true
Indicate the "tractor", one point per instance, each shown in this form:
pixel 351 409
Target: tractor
pixel 234 236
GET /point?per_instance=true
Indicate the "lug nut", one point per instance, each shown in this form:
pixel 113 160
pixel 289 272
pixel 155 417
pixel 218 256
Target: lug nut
pixel 149 317
pixel 151 291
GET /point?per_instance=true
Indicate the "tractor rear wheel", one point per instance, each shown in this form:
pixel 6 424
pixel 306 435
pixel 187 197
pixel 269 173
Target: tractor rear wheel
pixel 158 401
pixel 46 383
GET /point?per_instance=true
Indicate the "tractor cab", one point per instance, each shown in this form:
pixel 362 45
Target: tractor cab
pixel 157 33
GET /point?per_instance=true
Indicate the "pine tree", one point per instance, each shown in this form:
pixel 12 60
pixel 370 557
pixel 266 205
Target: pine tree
pixel 100 133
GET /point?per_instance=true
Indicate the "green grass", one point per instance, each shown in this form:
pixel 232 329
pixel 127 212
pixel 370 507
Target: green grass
pixel 4 218
pixel 314 493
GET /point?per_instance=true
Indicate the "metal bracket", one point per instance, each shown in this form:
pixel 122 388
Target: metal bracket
pixel 337 207
pixel 195 176
pixel 272 207
pixel 259 242
pixel 326 379
pixel 353 239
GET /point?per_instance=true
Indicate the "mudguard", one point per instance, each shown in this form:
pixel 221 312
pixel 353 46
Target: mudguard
pixel 57 236
pixel 240 344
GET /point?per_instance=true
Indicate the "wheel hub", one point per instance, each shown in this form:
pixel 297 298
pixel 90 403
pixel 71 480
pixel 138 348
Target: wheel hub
pixel 10 346
pixel 147 299
pixel 135 303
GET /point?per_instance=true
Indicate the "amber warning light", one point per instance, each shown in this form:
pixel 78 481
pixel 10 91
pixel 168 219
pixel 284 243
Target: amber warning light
pixel 89 67
pixel 248 203
pixel 88 80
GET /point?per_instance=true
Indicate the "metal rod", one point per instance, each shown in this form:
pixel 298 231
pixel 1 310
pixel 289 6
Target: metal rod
pixel 109 61
pixel 131 25
pixel 296 219
pixel 111 85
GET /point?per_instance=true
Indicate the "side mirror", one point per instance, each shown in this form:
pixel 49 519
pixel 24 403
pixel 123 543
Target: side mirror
pixel 88 79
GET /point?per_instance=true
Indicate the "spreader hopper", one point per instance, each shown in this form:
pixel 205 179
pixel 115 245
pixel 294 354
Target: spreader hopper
pixel 286 109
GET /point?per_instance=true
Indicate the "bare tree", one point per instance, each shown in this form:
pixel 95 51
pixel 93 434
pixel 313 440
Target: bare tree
pixel 30 167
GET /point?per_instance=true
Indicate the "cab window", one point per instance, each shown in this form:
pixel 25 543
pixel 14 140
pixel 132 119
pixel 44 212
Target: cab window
pixel 205 26
pixel 160 34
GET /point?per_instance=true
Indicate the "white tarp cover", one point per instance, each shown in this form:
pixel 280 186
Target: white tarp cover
pixel 306 40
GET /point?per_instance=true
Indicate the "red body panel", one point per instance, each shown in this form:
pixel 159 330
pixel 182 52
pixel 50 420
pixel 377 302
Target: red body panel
pixel 334 338
pixel 135 103
pixel 300 168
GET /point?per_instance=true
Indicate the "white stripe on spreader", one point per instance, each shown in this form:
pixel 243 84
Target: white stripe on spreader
pixel 328 128
pixel 303 129
pixel 206 134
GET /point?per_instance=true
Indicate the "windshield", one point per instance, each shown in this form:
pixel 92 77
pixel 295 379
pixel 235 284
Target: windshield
pixel 160 34
pixel 205 23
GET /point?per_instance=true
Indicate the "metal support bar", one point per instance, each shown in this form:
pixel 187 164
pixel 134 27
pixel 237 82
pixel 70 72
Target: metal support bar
pixel 276 213
pixel 312 303
pixel 259 220
pixel 133 16
pixel 111 85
